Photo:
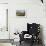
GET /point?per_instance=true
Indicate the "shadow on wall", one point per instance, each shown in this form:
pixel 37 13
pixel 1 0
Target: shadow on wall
pixel 41 34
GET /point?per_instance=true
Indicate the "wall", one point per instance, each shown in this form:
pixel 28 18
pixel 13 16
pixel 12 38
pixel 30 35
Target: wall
pixel 3 21
pixel 3 1
pixel 4 34
pixel 35 12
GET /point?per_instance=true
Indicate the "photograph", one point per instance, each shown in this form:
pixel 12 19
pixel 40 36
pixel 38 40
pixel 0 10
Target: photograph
pixel 20 12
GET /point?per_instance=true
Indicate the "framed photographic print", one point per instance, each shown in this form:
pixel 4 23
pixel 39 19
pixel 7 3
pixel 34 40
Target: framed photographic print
pixel 20 12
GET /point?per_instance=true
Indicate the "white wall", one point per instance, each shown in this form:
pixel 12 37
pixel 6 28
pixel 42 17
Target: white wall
pixel 35 12
pixel 3 1
pixel 3 34
pixel 3 21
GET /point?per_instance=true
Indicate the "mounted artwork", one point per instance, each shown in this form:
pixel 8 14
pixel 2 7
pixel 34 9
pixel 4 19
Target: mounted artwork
pixel 20 12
